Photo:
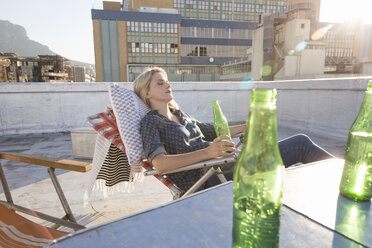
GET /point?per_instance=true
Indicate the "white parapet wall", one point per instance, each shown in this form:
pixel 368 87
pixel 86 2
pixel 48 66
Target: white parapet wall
pixel 327 107
pixel 324 106
pixel 53 107
pixel 48 107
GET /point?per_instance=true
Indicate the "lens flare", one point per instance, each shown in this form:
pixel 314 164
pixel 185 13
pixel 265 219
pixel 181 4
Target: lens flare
pixel 301 46
pixel 266 70
pixel 319 34
pixel 291 52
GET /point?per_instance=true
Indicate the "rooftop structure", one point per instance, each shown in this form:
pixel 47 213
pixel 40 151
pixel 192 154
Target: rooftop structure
pixel 41 116
pixel 38 119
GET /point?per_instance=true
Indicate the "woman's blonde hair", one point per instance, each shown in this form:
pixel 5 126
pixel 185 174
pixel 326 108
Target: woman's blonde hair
pixel 141 85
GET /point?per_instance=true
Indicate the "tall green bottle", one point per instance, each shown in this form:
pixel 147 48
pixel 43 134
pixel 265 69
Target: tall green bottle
pixel 356 181
pixel 220 123
pixel 258 177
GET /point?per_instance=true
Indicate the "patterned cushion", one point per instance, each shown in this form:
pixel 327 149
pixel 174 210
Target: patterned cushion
pixel 129 109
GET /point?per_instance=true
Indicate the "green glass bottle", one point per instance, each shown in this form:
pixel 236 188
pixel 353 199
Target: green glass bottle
pixel 356 180
pixel 220 123
pixel 258 177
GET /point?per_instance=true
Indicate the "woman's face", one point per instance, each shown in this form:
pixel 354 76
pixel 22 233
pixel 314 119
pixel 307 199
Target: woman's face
pixel 160 89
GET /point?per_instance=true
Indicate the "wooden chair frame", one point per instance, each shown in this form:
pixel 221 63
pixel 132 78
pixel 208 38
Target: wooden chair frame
pixel 68 220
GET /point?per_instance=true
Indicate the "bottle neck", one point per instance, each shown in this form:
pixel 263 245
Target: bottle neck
pixel 367 100
pixel 217 112
pixel 363 122
pixel 369 87
pixel 261 129
pixel 366 108
pixel 260 151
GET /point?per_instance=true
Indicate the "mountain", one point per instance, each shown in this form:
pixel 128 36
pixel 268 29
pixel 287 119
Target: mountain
pixel 79 63
pixel 13 38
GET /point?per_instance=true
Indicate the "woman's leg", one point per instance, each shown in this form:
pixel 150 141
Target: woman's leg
pixel 295 149
pixel 301 149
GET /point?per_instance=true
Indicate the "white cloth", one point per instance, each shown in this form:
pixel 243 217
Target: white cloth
pixel 129 109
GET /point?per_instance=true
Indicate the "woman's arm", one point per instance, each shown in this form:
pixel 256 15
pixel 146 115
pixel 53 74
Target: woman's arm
pixel 237 129
pixel 166 162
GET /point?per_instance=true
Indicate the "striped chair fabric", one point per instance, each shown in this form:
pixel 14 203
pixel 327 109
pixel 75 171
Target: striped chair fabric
pixel 105 124
pixel 17 231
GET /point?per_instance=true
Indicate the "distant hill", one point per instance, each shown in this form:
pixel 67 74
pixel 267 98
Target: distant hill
pixel 13 38
pixel 79 63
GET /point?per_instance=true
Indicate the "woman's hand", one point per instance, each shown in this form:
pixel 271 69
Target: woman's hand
pixel 221 146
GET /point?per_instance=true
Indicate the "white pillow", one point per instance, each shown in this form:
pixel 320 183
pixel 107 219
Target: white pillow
pixel 129 109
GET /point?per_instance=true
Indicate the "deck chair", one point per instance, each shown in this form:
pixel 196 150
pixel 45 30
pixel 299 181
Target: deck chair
pixel 120 125
pixel 106 125
pixel 18 231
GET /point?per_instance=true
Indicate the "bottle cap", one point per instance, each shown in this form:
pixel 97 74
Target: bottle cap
pixel 369 87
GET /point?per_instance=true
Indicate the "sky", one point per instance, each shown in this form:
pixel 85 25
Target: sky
pixel 338 10
pixel 65 26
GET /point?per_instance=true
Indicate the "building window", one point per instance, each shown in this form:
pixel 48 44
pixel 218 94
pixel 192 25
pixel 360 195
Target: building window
pixel 174 48
pixel 136 26
pixel 203 51
pixel 137 46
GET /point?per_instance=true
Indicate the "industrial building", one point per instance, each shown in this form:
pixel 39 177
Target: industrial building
pixel 42 68
pixel 190 38
pixel 196 40
pixel 293 45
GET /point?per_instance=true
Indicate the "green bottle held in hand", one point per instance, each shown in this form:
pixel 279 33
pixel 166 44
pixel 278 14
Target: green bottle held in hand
pixel 258 177
pixel 220 123
pixel 356 181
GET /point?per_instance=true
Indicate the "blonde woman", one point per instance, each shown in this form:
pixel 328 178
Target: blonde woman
pixel 173 139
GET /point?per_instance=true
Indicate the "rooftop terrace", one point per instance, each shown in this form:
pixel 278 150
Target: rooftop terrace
pixel 38 118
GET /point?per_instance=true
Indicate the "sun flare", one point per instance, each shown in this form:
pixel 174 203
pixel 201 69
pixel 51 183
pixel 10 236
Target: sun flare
pixel 343 10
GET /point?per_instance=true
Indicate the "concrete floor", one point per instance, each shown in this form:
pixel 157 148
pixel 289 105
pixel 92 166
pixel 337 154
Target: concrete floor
pixel 31 186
